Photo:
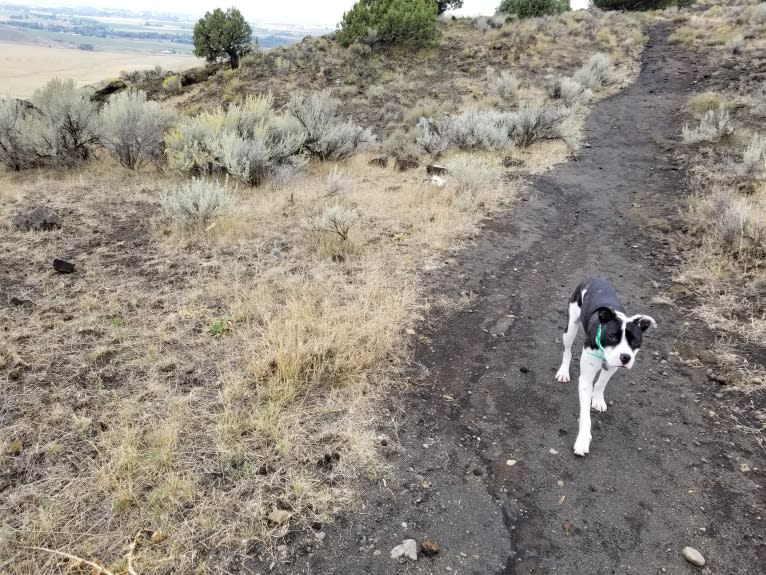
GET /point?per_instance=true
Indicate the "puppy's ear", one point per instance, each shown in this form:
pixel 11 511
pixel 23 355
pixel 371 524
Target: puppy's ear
pixel 605 314
pixel 644 321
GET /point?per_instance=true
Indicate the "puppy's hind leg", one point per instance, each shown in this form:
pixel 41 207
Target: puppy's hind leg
pixel 569 336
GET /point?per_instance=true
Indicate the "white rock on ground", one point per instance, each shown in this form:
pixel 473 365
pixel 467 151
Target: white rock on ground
pixel 408 549
pixel 693 556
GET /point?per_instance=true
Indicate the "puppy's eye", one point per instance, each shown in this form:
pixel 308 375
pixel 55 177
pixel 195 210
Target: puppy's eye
pixel 612 339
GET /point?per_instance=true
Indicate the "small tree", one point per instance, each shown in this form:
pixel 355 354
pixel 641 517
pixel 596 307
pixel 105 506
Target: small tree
pixel 443 5
pixel 639 4
pixel 220 35
pixel 532 8
pixel 389 22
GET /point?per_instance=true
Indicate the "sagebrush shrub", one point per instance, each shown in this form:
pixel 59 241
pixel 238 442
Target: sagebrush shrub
pixel 429 136
pixel 503 85
pixel 739 223
pixel 337 182
pixel 328 137
pixel 66 129
pixel 479 129
pixel 196 202
pixel 16 151
pixel 132 129
pixel 597 71
pixel 754 155
pixel 715 126
pixel 248 141
pixel 533 123
pixel 567 90
pixel 336 218
pixel 472 174
pixel 400 145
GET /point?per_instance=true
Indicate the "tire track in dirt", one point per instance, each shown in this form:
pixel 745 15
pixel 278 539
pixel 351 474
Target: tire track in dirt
pixel 664 468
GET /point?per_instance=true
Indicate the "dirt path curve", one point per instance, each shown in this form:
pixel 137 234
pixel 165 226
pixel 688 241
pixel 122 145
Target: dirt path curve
pixel 664 468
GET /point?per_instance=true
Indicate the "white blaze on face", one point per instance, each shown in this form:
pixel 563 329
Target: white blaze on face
pixel 613 354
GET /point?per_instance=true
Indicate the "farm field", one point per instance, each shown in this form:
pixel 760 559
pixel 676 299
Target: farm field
pixel 23 68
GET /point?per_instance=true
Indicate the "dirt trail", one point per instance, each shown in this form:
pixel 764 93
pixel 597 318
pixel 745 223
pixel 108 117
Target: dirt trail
pixel 664 468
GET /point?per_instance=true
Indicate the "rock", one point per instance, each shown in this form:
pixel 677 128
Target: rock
pixel 553 451
pixel 321 535
pixel 744 467
pixel 693 556
pixel 63 266
pixel 436 170
pixel 438 182
pixel 567 526
pixel 196 75
pixel 380 161
pixel 429 548
pixel 101 95
pixel 279 516
pixel 404 164
pixel 408 549
pixel 38 219
pixel 510 162
pixel 524 369
pixel 511 462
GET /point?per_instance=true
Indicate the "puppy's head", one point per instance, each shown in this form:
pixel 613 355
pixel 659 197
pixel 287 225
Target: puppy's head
pixel 621 336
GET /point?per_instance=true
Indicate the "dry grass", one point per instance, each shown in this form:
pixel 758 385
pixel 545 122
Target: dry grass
pixel 164 401
pixel 727 210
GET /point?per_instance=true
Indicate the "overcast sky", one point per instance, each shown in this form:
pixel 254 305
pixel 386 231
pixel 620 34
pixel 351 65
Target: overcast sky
pixel 300 12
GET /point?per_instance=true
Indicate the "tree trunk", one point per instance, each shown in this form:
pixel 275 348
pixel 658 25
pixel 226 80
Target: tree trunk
pixel 233 59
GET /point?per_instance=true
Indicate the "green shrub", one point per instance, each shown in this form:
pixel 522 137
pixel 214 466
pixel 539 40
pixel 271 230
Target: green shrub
pixel 221 36
pixel 172 84
pixel 639 4
pixel 132 129
pixel 531 8
pixel 389 22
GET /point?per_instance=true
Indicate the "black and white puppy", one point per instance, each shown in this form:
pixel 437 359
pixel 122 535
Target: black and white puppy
pixel 612 341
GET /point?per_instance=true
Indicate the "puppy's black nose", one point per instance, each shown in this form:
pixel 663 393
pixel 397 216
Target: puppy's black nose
pixel 624 358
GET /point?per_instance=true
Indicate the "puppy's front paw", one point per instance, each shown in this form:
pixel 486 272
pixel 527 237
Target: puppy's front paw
pixel 581 446
pixel 598 404
pixel 562 375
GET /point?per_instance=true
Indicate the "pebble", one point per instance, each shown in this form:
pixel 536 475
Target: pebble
pixel 321 535
pixel 693 556
pixel 511 462
pixel 408 548
pixel 429 548
pixel 560 483
pixel 553 451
